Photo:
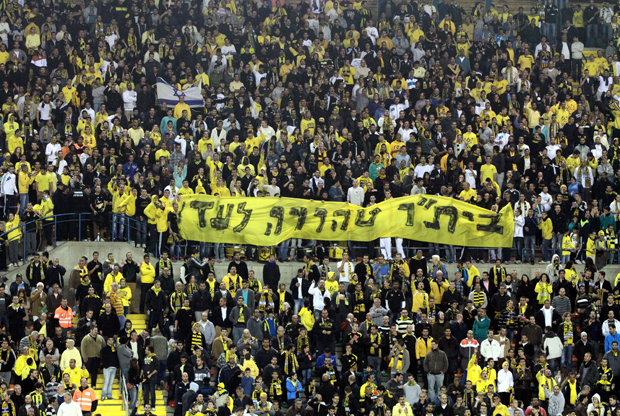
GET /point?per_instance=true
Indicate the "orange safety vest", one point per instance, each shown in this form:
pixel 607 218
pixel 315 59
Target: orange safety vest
pixel 85 398
pixel 65 318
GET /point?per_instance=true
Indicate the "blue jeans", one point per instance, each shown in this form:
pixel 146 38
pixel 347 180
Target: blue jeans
pixel 299 303
pixel 23 202
pixel 551 32
pixel 554 363
pixel 518 245
pixel 133 397
pixel 108 380
pixel 530 246
pixel 118 223
pixel 565 259
pixel 435 381
pixel 592 34
pixel 141 232
pixel 567 357
pixel 605 33
pixel 556 242
pixel 284 250
pixel 219 251
pixel 149 391
pixel 545 249
pixel 306 375
pixel 450 254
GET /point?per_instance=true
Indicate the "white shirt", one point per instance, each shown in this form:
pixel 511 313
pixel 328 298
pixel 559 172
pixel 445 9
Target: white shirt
pixel 604 83
pixel 318 298
pixel 70 409
pixel 183 143
pixel 299 289
pixel 130 98
pixel 504 381
pixel 546 200
pixel 395 110
pixel 91 111
pixel 52 151
pixel 548 314
pixel 355 196
pixel 605 327
pixel 9 185
pixel 490 349
pixel 470 178
pixel 45 110
pixel 519 223
pixel 347 271
pixel 501 140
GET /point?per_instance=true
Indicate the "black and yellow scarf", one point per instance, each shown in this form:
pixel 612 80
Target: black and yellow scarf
pixel 290 363
pixel 498 278
pixel 399 362
pixel 568 333
pixel 302 341
pixel 375 339
pixel 360 305
pixel 275 389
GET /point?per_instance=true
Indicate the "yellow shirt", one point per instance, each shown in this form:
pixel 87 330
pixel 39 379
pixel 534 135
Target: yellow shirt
pixel 487 171
pixel 178 111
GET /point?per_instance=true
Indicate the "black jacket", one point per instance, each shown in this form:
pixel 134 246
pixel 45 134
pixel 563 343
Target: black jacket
pixel 271 275
pixel 108 325
pixel 155 301
pixel 305 286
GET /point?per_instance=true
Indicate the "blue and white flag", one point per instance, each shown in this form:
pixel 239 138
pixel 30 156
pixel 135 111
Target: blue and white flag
pixel 171 94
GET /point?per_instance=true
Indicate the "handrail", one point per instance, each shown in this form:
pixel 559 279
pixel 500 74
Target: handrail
pixel 124 392
pixel 131 224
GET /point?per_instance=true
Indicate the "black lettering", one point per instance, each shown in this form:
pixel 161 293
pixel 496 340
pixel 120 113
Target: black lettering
pixel 247 213
pixel 468 215
pixel 202 208
pixel 322 214
pixel 451 212
pixel 370 222
pixel 410 208
pixel 430 203
pixel 276 212
pixel 334 225
pixel 492 227
pixel 220 222
pixel 301 213
pixel 422 201
pixel 347 217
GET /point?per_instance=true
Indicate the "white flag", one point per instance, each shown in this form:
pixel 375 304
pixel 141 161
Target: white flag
pixel 171 94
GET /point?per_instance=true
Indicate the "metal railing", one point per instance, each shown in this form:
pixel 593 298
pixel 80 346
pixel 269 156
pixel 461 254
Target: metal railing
pixel 122 385
pixel 81 227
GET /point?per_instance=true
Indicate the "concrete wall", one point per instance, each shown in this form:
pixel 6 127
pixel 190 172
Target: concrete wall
pixel 69 253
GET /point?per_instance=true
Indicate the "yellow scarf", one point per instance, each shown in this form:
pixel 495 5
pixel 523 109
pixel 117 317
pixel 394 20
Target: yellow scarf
pixel 568 333
pixel 290 360
pixel 399 362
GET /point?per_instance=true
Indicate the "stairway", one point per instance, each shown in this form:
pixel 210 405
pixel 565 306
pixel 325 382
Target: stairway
pixel 114 407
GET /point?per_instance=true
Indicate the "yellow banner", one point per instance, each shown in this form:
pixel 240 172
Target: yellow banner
pixel 269 221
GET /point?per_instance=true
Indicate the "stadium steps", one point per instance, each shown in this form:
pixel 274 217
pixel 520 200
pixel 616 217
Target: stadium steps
pixel 114 407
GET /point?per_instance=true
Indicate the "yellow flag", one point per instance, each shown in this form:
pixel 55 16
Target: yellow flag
pixel 269 221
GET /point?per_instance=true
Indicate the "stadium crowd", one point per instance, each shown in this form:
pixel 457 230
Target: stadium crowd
pixel 328 101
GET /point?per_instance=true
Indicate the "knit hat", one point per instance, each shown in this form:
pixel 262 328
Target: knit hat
pixel 583 334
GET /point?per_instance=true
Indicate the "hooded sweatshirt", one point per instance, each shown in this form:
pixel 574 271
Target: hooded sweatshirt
pixel 553 345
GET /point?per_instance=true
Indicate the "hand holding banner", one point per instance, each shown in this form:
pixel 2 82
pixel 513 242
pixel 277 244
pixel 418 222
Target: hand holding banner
pixel 269 221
